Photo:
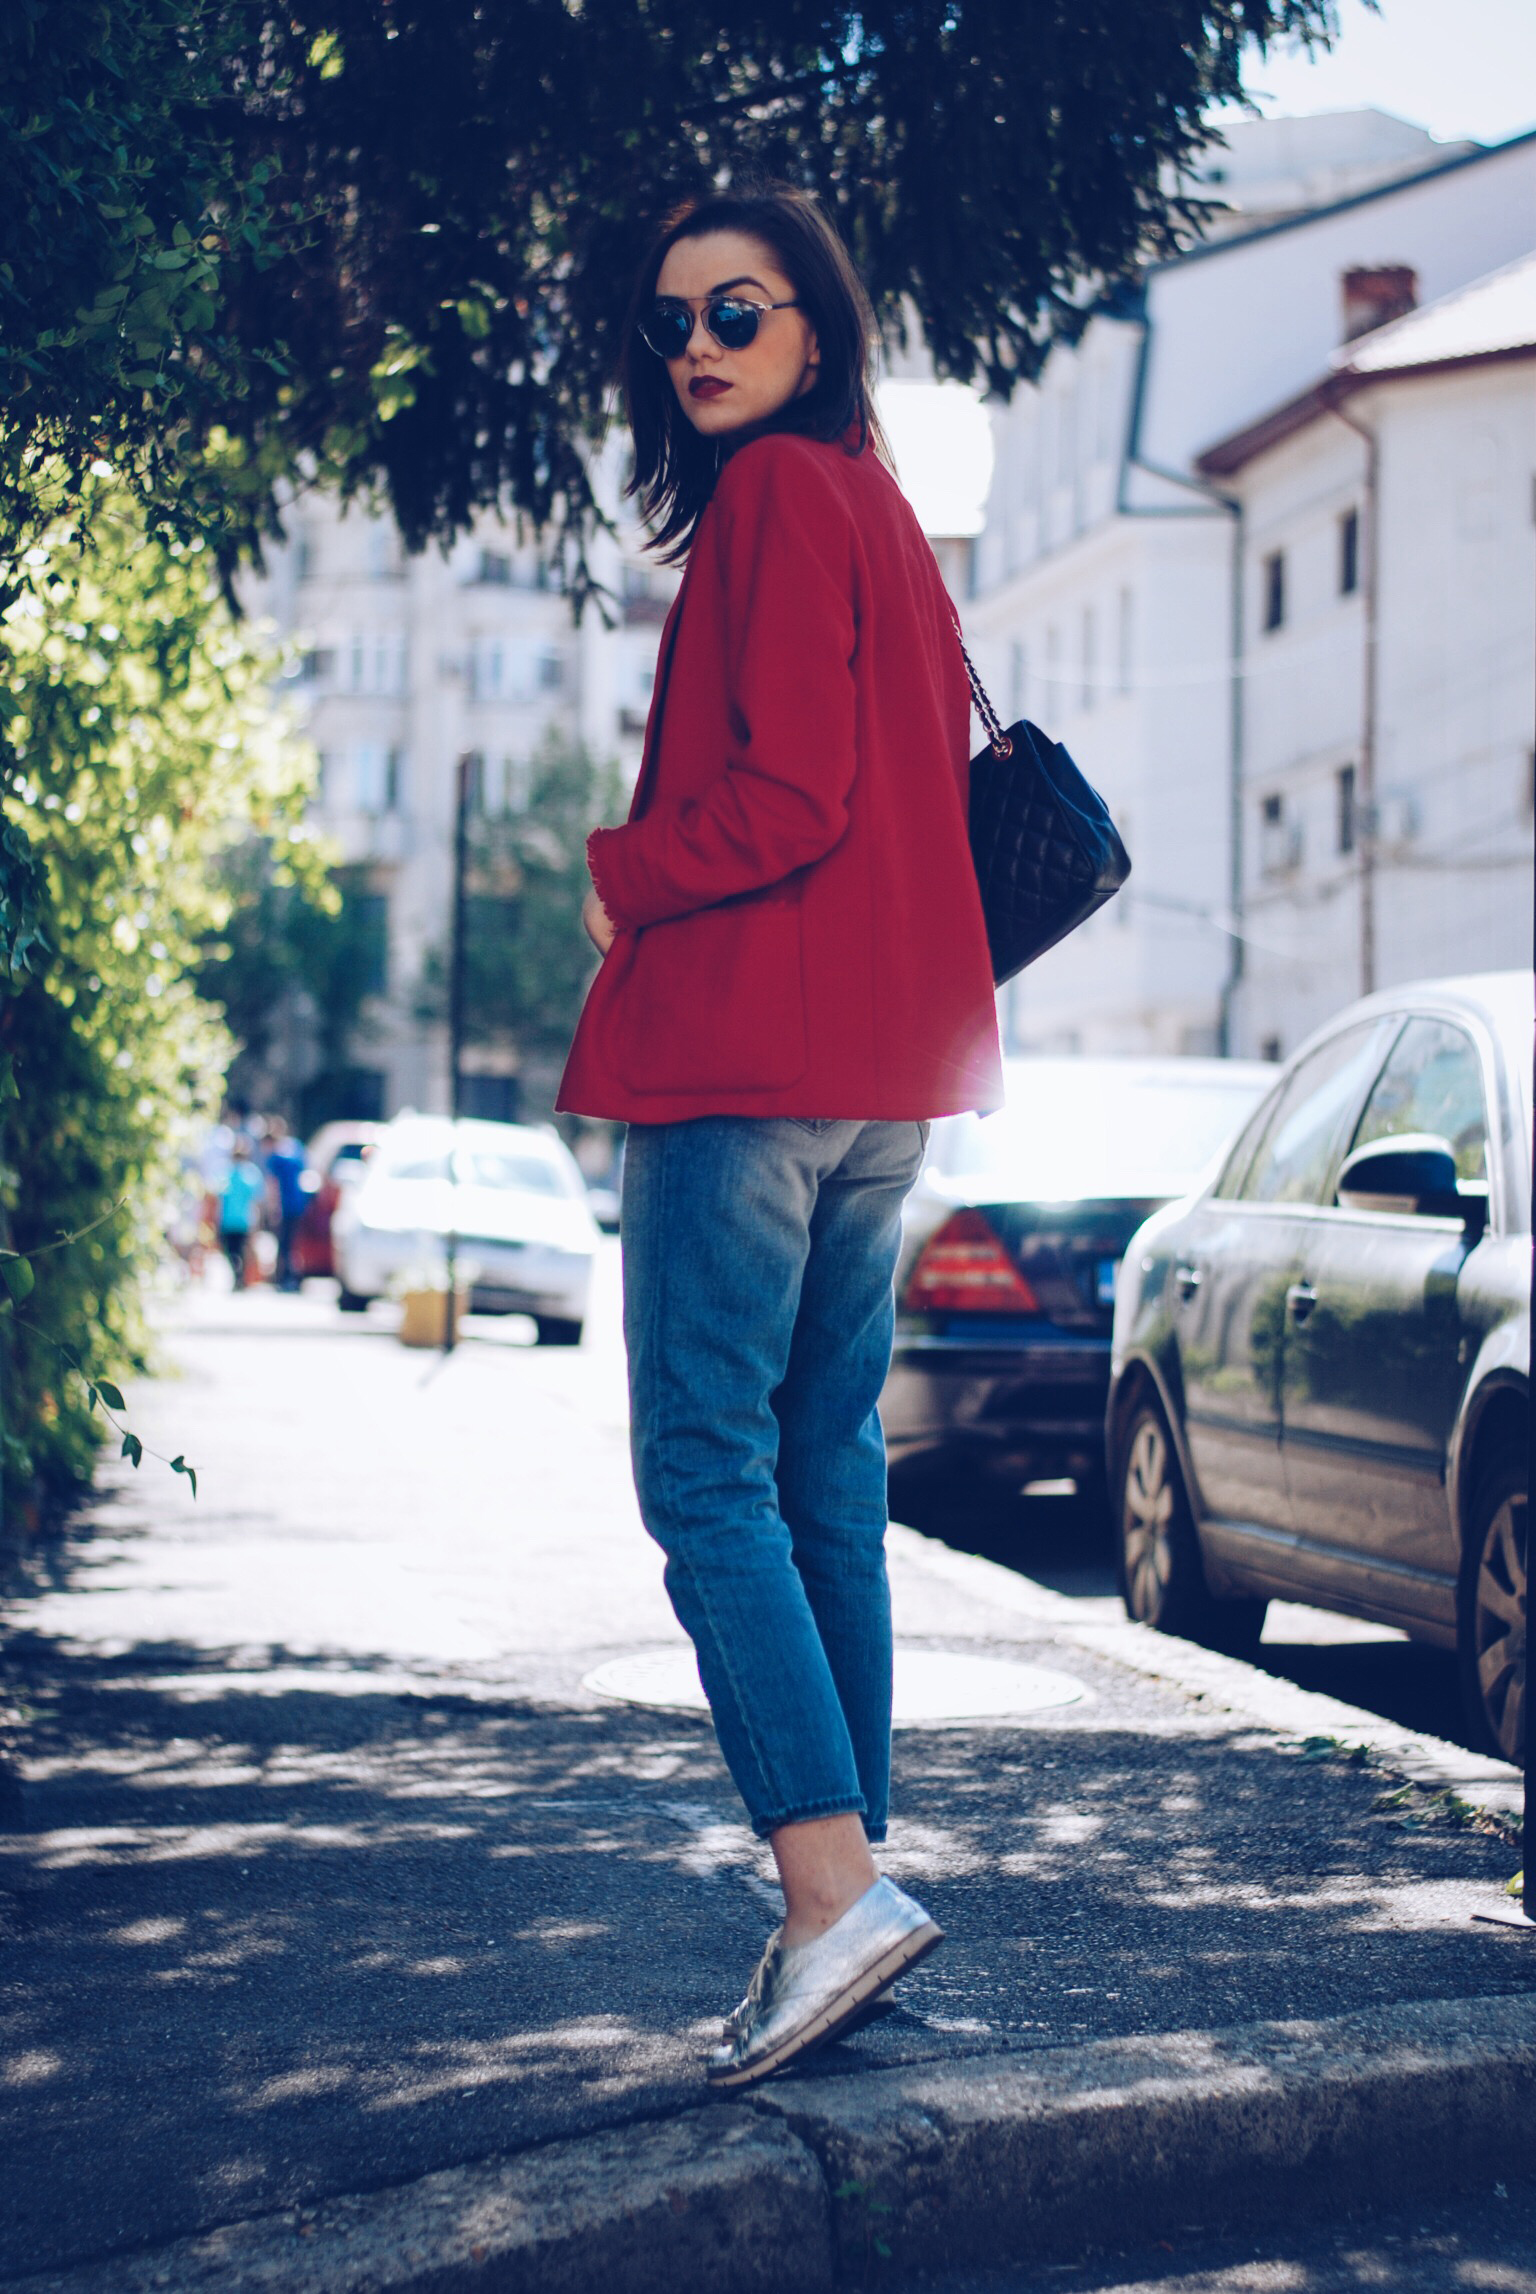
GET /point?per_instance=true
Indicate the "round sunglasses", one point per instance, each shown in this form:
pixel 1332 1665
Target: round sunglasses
pixel 667 328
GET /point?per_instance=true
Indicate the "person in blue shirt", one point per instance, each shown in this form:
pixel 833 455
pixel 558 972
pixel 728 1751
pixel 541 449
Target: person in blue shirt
pixel 287 1169
pixel 240 1207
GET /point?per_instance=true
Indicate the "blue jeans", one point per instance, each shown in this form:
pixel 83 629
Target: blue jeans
pixel 758 1315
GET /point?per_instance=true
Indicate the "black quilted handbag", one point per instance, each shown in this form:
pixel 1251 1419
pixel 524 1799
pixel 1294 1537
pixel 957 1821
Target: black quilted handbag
pixel 1046 852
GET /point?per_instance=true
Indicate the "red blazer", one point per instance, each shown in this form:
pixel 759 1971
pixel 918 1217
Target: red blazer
pixel 799 927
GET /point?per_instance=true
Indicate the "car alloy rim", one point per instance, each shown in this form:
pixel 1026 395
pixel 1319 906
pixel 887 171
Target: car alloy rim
pixel 1500 1627
pixel 1147 1513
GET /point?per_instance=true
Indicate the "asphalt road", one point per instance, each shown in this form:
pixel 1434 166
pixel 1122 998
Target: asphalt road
pixel 1485 2241
pixel 322 1868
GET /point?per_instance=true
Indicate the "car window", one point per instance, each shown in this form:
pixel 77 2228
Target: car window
pixel 490 1167
pixel 1230 1184
pixel 1432 1082
pixel 416 1167
pixel 532 1173
pixel 1296 1158
pixel 1087 1130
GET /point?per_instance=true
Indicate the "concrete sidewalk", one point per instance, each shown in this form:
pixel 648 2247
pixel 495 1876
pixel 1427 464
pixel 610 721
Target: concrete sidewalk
pixel 345 1934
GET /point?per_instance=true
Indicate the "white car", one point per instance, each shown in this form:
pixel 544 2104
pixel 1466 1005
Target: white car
pixel 512 1197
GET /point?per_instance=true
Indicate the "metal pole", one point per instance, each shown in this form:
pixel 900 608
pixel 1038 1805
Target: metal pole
pixel 1368 830
pixel 456 951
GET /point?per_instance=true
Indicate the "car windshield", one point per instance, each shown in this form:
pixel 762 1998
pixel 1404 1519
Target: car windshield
pixel 1072 1132
pixel 529 1173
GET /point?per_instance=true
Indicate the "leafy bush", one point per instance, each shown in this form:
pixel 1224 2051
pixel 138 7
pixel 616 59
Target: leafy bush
pixel 140 745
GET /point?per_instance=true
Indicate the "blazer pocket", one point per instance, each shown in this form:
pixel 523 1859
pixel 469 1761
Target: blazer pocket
pixel 715 1000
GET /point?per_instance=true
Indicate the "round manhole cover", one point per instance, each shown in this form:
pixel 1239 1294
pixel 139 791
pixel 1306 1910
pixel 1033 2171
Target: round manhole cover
pixel 932 1686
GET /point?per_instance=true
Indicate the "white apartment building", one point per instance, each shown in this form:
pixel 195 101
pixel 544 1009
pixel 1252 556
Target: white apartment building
pixel 408 664
pixel 1107 584
pixel 1389 520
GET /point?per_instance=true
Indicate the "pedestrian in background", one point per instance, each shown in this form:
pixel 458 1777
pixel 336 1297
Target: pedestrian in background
pixel 795 978
pixel 287 1169
pixel 240 1206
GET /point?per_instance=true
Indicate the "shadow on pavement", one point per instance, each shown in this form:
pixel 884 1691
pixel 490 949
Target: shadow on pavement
pixel 293 1929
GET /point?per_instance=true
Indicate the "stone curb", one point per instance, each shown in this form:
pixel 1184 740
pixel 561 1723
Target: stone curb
pixel 988 2161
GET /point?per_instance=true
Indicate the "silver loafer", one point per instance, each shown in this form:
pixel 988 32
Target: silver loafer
pixel 802 1996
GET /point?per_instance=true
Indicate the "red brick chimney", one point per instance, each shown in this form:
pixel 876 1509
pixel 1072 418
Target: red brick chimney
pixel 1375 293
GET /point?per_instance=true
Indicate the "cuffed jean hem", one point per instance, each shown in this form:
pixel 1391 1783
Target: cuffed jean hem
pixel 813 1812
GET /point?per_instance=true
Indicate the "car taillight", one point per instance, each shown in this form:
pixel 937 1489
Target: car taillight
pixel 965 1269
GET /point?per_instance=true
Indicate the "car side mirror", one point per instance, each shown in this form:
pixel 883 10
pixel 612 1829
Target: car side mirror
pixel 1414 1174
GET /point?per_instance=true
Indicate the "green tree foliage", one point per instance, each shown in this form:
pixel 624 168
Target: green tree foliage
pixel 484 181
pixel 527 958
pixel 144 745
pixel 390 241
pixel 284 936
pixel 132 204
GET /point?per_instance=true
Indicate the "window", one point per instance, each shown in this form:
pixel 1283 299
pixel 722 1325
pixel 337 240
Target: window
pixel 516 780
pixel 376 777
pixel 1090 663
pixel 1018 679
pixel 371 918
pixel 495 569
pixel 1349 553
pixel 1230 1185
pixel 1346 814
pixel 1125 647
pixel 384 554
pixel 551 672
pixel 474 782
pixel 1432 1083
pixel 489 671
pixel 1279 837
pixel 304 559
pixel 1052 695
pixel 1273 581
pixel 1302 1144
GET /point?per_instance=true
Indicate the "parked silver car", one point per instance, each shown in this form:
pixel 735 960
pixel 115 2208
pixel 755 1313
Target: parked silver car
pixel 1321 1380
pixel 512 1196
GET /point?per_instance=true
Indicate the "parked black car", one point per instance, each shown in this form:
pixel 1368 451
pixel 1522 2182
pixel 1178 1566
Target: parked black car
pixel 1321 1383
pixel 1013 1239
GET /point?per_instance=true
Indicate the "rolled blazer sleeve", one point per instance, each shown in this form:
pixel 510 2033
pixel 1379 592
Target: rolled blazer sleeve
pixel 786 557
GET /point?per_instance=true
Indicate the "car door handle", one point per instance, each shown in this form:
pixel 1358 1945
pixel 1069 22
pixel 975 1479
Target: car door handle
pixel 1300 1298
pixel 1188 1280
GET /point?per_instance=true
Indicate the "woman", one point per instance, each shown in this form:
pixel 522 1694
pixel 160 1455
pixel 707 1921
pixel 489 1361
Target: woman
pixel 795 979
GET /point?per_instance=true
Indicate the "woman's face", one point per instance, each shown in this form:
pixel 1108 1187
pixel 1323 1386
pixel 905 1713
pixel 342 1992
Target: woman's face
pixel 720 390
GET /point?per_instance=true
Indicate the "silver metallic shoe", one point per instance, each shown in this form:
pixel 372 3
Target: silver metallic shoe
pixel 805 1995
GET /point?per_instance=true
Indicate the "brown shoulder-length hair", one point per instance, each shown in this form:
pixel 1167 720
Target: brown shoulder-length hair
pixel 675 469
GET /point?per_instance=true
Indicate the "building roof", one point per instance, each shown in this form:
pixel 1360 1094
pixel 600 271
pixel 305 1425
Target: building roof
pixel 1229 243
pixel 1493 318
pixel 1492 315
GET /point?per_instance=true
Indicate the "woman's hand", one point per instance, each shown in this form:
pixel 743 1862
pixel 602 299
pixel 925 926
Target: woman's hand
pixel 600 925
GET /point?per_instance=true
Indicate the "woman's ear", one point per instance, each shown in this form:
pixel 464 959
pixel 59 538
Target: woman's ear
pixel 812 369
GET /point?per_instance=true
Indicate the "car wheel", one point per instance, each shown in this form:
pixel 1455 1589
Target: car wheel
pixel 1162 1576
pixel 351 1301
pixel 554 1330
pixel 1491 1610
